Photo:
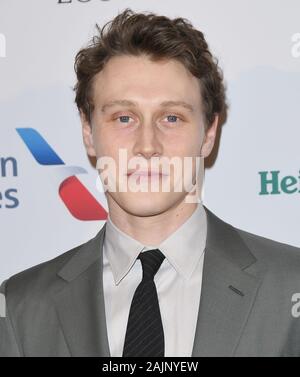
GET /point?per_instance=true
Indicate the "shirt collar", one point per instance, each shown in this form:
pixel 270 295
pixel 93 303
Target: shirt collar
pixel 183 248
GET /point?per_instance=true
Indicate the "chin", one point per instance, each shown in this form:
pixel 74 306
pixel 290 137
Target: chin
pixel 147 204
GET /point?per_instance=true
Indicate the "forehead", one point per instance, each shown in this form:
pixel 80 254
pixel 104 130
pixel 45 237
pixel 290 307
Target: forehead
pixel 142 79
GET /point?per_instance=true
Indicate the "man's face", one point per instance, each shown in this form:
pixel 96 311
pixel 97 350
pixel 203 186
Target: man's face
pixel 150 109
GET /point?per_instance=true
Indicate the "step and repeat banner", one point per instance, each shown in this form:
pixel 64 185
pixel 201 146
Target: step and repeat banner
pixel 49 201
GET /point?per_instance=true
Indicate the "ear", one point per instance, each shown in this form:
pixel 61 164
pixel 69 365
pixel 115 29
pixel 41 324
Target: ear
pixel 87 135
pixel 209 138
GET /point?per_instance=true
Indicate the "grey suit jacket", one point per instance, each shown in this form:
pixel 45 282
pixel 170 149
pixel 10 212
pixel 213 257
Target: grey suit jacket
pixel 57 307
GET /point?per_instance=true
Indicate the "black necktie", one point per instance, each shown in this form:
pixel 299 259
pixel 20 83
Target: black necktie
pixel 145 334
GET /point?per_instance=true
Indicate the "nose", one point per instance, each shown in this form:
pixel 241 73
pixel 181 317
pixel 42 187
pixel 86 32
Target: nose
pixel 147 143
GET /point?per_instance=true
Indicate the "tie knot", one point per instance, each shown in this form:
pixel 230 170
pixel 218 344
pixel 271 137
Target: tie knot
pixel 151 261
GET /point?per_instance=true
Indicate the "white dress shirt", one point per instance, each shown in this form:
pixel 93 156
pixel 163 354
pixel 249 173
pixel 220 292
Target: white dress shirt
pixel 178 282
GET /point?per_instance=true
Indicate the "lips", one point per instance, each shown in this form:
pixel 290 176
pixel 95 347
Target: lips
pixel 145 173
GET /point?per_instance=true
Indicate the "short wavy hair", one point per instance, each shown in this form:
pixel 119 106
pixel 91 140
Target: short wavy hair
pixel 159 37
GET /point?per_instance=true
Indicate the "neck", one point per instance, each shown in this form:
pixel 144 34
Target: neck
pixel 150 230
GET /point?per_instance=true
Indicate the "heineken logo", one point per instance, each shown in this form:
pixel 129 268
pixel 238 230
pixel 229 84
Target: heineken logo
pixel 274 182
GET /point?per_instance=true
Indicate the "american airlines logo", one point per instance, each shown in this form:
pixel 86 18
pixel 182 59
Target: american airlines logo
pixel 76 197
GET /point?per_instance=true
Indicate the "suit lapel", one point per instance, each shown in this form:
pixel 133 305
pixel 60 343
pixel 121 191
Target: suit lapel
pixel 227 295
pixel 228 291
pixel 80 304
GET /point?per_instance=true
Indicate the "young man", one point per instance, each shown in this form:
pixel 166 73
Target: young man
pixel 164 276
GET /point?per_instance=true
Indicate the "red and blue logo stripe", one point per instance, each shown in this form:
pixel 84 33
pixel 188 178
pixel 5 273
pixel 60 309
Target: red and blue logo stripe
pixel 76 197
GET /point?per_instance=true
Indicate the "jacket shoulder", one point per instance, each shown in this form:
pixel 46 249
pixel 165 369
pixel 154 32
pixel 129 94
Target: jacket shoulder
pixel 275 255
pixel 41 278
pixel 271 254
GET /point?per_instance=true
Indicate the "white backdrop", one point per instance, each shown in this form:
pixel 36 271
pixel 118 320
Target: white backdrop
pixel 258 46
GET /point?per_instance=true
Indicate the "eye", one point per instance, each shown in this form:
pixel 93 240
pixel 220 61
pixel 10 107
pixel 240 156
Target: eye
pixel 172 118
pixel 124 119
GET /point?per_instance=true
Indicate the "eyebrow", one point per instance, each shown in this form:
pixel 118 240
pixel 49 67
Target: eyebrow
pixel 125 102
